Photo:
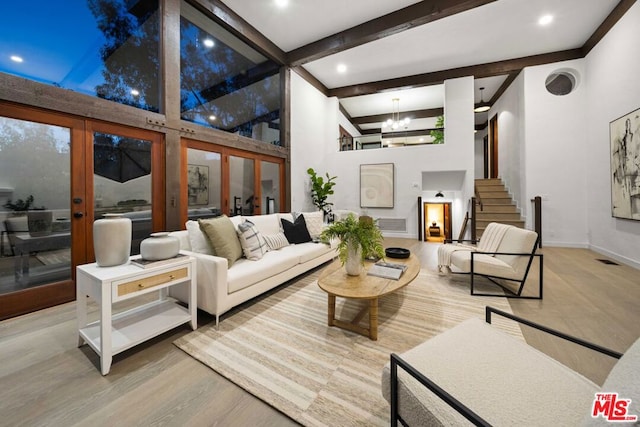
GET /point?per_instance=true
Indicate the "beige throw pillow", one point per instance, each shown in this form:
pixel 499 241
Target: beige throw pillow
pixel 314 223
pixel 275 241
pixel 223 237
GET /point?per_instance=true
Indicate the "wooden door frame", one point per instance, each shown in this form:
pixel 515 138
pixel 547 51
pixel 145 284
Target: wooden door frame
pixel 493 142
pixel 50 294
pixel 225 152
pixel 447 228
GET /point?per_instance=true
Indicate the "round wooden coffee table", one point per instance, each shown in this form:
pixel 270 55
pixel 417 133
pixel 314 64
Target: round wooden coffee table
pixel 335 281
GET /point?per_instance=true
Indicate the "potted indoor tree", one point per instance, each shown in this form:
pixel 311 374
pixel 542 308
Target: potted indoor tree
pixel 321 190
pixel 359 239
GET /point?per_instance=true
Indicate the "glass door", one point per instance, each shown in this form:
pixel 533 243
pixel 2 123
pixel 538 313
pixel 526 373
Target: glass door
pixel 40 154
pixel 242 186
pixel 128 178
pixel 270 183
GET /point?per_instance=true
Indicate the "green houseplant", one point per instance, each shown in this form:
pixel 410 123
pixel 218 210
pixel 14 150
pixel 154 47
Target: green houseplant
pixel 358 239
pixel 321 190
pixel 438 134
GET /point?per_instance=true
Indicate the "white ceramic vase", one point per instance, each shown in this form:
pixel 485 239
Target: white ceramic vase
pixel 159 246
pixel 353 265
pixel 112 240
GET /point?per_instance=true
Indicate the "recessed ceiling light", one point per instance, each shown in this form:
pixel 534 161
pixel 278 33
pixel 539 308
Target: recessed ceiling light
pixel 282 3
pixel 341 68
pixel 545 20
pixel 208 42
pixel 212 117
pixel 421 139
pixel 135 92
pixel 16 58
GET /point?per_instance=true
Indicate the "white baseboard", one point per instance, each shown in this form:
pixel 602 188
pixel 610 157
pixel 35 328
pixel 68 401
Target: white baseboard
pixel 628 261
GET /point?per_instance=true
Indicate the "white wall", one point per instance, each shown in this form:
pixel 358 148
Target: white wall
pixel 613 84
pixel 555 142
pixel 313 146
pixel 313 128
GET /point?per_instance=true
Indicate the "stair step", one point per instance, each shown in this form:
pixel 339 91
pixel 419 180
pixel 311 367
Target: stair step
pixel 481 224
pixel 489 181
pixel 494 201
pixel 489 208
pixel 495 195
pixel 497 216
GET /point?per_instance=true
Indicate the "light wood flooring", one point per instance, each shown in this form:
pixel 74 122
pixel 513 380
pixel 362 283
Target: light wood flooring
pixel 46 380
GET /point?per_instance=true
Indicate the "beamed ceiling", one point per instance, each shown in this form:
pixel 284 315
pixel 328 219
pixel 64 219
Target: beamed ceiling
pixel 406 49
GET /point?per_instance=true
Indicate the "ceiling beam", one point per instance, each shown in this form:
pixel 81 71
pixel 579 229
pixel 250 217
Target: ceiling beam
pixel 607 24
pixel 416 114
pixel 395 22
pixel 491 69
pixel 348 117
pixel 505 85
pixel 312 80
pixel 233 23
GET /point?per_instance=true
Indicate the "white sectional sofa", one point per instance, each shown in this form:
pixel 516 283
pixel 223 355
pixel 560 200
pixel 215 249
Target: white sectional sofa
pixel 221 288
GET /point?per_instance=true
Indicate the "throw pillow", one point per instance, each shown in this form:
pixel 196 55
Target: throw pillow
pixel 197 239
pixel 276 241
pixel 296 232
pixel 223 237
pixel 253 245
pixel 314 223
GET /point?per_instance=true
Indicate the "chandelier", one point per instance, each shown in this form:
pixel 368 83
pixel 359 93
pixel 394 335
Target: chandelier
pixel 394 123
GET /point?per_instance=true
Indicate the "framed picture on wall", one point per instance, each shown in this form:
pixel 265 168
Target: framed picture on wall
pixel 624 134
pixel 198 185
pixel 377 185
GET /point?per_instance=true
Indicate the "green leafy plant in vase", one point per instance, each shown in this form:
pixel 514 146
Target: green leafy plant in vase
pixel 359 239
pixel 321 190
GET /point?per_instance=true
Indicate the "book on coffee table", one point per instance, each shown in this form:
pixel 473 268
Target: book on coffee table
pixel 387 270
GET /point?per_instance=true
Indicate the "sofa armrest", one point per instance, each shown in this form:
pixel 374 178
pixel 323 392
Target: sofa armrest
pixel 211 279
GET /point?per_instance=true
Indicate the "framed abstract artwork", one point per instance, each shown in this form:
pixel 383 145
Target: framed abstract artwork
pixel 377 185
pixel 624 134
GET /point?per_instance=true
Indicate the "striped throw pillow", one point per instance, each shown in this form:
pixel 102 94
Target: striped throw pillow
pixel 253 245
pixel 276 241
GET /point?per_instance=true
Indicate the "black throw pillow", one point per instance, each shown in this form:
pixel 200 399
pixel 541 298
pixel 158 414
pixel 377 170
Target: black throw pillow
pixel 296 232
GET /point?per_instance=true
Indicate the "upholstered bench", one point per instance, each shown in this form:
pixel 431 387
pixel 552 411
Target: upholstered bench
pixel 497 379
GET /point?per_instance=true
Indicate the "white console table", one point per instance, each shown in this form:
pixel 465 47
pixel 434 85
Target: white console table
pixel 112 334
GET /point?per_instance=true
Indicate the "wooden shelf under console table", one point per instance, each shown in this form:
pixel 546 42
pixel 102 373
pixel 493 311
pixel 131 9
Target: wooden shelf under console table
pixel 112 334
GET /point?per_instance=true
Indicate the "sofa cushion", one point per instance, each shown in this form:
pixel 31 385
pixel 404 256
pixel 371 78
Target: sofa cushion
pixel 198 241
pixel 308 251
pixel 276 241
pixel 247 273
pixel 483 264
pixel 266 224
pixel 253 245
pixel 296 232
pixel 222 235
pixel 314 223
pixel 501 378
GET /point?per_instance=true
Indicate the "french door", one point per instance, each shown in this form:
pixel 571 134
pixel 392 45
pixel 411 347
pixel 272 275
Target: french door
pixel 50 196
pixel 222 180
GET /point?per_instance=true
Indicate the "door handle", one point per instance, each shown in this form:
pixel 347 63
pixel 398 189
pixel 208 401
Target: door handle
pixel 78 214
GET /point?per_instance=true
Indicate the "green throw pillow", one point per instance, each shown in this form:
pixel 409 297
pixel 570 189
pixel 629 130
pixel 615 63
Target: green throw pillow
pixel 222 235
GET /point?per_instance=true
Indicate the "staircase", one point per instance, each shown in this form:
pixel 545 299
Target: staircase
pixel 497 205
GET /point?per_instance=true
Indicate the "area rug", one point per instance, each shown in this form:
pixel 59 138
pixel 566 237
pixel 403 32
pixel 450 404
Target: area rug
pixel 280 349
